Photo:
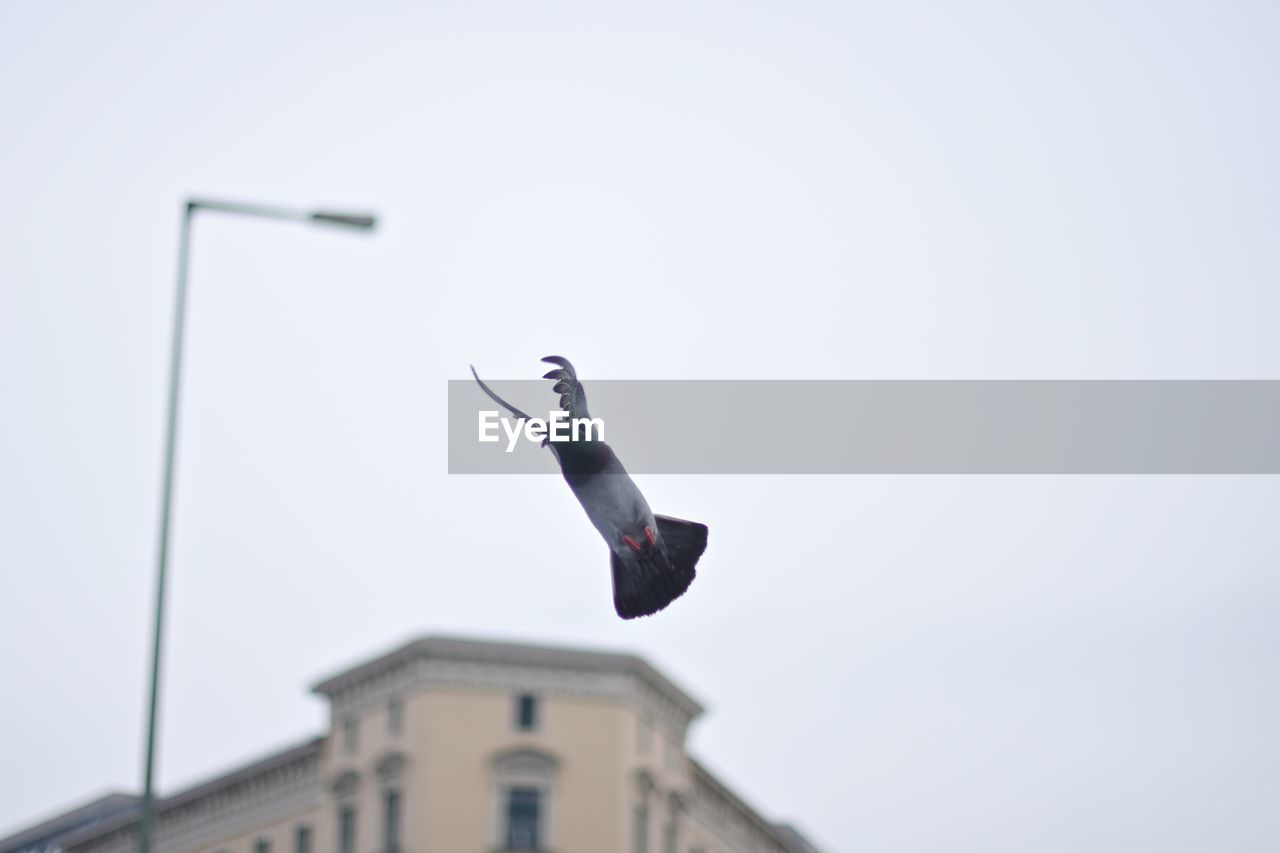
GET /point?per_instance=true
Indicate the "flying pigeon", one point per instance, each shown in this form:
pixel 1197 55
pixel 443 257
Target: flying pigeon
pixel 652 556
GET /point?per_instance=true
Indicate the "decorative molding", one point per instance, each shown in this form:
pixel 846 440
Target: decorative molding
pixel 738 825
pixel 390 768
pixel 645 782
pixel 444 662
pixel 525 761
pixel 286 782
pixel 346 784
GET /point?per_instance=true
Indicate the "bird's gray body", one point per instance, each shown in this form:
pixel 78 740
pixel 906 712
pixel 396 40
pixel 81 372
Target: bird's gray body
pixel 613 503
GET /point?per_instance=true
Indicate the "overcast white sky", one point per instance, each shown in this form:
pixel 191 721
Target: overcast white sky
pixel 682 190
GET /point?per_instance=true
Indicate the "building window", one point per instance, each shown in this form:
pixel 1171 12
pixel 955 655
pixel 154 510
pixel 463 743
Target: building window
pixel 395 716
pixel 640 839
pixel 262 845
pixel 347 829
pixel 671 836
pixel 524 812
pixel 524 791
pixel 351 735
pixel 391 822
pixel 526 712
pixel 303 839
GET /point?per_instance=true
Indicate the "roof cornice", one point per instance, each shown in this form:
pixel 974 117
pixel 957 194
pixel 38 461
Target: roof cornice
pixel 481 652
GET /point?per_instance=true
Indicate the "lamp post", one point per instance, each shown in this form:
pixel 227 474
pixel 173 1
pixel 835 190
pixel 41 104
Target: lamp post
pixel 360 221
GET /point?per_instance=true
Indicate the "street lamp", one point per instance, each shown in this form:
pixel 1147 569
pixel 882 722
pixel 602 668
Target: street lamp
pixel 360 221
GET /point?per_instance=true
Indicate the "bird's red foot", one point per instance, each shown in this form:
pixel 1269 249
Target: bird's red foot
pixel 631 542
pixel 648 534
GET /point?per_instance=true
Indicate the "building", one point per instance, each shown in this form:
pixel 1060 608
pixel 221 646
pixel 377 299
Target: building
pixel 459 746
pixel 49 836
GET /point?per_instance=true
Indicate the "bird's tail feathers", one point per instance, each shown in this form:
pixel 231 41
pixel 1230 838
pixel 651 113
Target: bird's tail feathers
pixel 685 540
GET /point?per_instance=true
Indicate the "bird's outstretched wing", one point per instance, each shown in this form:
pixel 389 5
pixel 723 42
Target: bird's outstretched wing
pixel 492 396
pixel 573 398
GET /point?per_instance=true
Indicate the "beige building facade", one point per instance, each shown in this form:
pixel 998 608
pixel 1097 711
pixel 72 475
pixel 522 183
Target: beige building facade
pixel 461 746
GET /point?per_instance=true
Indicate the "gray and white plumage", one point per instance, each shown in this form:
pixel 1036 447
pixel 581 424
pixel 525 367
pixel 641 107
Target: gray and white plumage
pixel 652 557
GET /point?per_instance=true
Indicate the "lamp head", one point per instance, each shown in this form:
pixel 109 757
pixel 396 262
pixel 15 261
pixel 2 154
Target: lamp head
pixel 347 220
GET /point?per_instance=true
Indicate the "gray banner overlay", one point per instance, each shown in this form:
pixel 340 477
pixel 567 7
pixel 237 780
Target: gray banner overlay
pixel 895 427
